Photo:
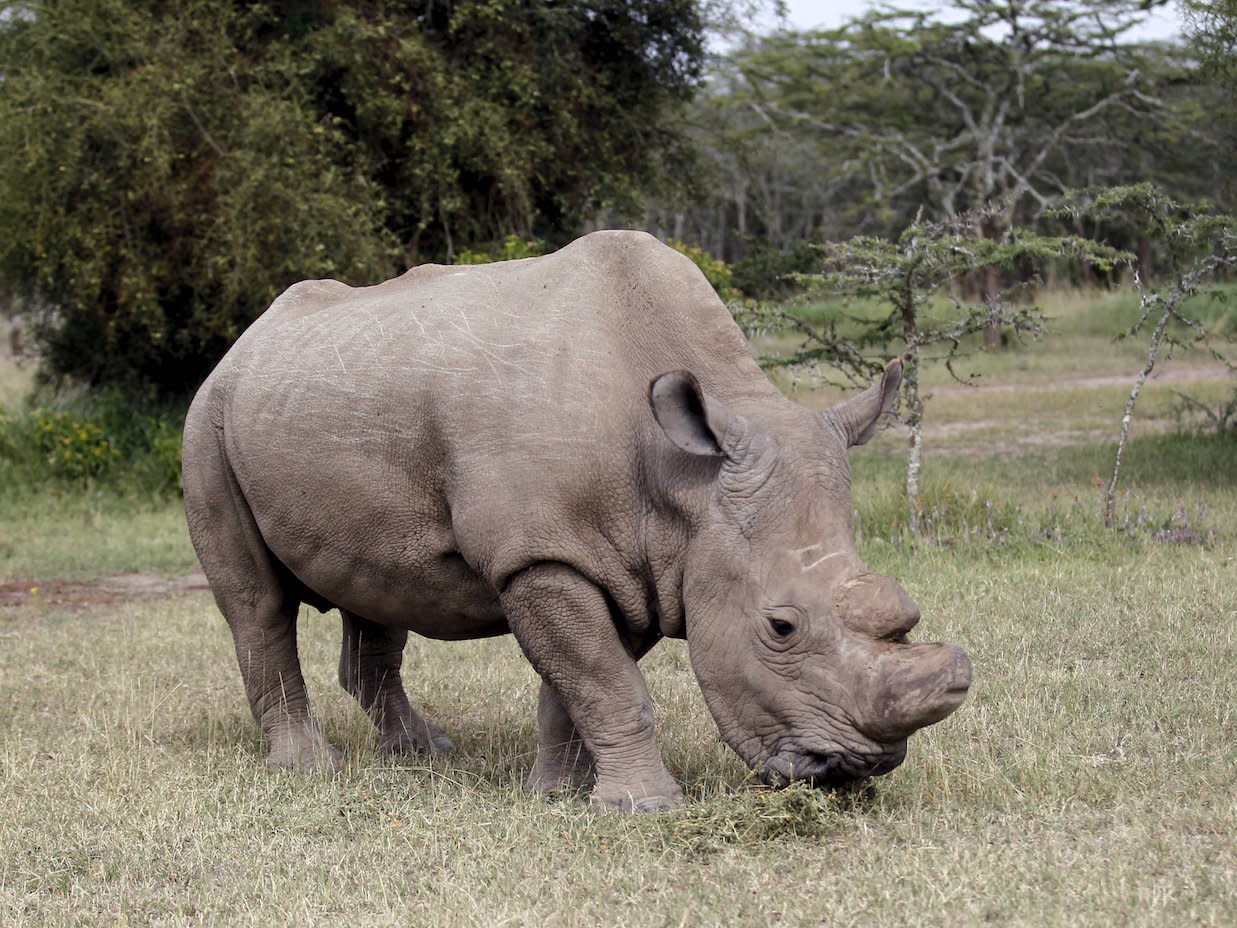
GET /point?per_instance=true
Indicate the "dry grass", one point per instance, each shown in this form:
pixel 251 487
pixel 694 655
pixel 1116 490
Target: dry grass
pixel 1087 781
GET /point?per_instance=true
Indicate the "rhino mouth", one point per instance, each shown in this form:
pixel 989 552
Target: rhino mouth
pixel 829 769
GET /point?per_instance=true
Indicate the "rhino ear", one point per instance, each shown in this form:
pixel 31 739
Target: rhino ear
pixel 857 417
pixel 695 423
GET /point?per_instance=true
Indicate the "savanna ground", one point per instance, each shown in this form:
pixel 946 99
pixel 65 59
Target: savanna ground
pixel 1088 780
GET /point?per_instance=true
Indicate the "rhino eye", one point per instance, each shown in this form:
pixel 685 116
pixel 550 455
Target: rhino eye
pixel 781 627
pixel 783 621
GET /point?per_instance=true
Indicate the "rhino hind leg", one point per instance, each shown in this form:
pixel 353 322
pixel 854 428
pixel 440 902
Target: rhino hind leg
pixel 563 624
pixel 260 608
pixel 563 760
pixel 370 658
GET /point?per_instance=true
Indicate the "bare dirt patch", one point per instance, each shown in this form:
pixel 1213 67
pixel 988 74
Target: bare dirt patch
pixel 1165 375
pixel 77 594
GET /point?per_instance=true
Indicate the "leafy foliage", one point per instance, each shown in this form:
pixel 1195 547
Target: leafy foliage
pixel 716 271
pixel 1199 241
pixel 1213 33
pixel 925 282
pixel 512 248
pixel 770 274
pixel 73 447
pixel 945 108
pixel 111 438
pixel 167 169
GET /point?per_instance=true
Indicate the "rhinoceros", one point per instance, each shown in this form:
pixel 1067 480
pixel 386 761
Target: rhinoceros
pixel 578 449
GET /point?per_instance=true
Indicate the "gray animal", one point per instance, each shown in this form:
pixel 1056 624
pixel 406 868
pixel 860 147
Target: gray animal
pixel 577 449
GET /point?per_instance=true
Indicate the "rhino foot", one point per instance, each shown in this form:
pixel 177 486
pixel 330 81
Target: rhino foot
pixel 567 766
pixel 304 750
pixel 653 797
pixel 553 781
pixel 420 739
pixel 442 743
pixel 628 803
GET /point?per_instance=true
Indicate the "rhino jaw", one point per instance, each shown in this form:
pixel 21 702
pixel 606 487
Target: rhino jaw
pixel 913 686
pixel 829 769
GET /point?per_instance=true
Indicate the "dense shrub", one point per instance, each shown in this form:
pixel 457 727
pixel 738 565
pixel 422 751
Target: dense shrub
pixel 111 438
pixel 166 169
pixel 512 248
pixel 769 274
pixel 72 447
pixel 715 270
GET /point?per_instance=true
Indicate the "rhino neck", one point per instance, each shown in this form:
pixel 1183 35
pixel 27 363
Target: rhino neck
pixel 680 492
pixel 675 493
pixel 683 496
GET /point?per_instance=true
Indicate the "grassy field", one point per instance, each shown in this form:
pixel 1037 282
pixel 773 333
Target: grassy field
pixel 1088 780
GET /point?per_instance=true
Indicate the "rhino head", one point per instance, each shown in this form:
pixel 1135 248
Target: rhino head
pixel 801 652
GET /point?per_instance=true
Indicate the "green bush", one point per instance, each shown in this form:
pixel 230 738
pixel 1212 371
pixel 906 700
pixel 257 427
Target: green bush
pixel 768 274
pixel 74 448
pixel 111 438
pixel 512 248
pixel 715 270
pixel 167 169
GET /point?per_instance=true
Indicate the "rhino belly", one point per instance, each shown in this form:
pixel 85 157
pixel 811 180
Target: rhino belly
pixel 434 594
pixel 363 536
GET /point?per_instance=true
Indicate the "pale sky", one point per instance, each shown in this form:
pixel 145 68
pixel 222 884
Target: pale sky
pixel 1163 23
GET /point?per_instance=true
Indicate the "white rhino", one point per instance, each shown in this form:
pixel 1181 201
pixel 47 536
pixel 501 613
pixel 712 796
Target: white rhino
pixel 580 450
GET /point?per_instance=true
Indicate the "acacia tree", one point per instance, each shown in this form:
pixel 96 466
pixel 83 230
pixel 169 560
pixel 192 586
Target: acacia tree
pixel 166 169
pixel 1211 34
pixel 1199 243
pixel 986 104
pixel 1212 29
pixel 976 102
pixel 918 279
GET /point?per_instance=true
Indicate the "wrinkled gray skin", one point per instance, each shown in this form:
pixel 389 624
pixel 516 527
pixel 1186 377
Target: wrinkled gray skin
pixel 577 449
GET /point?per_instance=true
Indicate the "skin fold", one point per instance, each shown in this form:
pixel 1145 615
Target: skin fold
pixel 576 449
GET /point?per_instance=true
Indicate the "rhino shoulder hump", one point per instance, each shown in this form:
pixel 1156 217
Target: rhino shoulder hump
pixel 309 295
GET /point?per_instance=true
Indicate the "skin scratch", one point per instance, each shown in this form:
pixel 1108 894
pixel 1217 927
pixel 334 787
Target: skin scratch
pixel 816 563
pixel 802 551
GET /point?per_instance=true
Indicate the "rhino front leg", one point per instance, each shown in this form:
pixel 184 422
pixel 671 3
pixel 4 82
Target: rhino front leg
pixel 564 626
pixel 563 760
pixel 370 658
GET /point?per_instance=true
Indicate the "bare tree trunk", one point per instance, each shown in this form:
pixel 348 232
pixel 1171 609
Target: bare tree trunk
pixel 994 335
pixel 990 288
pixel 914 419
pixel 1144 258
pixel 1153 350
pixel 914 405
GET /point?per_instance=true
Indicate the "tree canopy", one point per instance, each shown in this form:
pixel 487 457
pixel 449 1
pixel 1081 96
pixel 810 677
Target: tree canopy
pixel 972 103
pixel 166 169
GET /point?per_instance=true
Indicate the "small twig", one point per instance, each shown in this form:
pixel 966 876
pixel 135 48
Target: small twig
pixel 210 139
pixel 1153 350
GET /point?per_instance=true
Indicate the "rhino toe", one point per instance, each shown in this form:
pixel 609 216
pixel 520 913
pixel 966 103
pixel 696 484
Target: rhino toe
pixel 304 751
pixel 626 800
pixel 420 738
pixel 657 803
pixel 441 743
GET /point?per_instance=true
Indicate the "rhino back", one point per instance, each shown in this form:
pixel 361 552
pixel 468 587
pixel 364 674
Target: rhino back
pixel 406 447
